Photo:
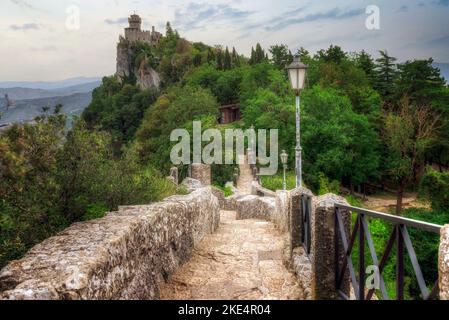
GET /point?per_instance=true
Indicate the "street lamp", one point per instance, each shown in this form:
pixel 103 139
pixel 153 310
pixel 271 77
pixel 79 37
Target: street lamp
pixel 297 74
pixel 284 157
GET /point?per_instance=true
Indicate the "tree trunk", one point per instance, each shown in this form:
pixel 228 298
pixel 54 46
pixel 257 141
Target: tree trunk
pixel 399 196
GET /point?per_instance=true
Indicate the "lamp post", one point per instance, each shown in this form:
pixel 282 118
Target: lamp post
pixel 297 74
pixel 284 157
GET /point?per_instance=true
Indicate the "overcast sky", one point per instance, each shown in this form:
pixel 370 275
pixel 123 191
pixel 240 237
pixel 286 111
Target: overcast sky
pixel 37 45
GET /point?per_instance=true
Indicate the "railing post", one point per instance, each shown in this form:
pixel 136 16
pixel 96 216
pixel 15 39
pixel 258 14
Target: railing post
pixel 399 264
pixel 296 215
pixel 443 263
pixel 201 172
pixel 361 258
pixel 325 243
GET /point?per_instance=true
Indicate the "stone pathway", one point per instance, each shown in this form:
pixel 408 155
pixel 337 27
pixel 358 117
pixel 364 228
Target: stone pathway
pixel 245 178
pixel 242 260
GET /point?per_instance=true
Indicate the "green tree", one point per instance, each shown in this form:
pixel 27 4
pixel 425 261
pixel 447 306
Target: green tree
pixel 235 58
pixel 210 55
pixel 227 62
pixel 339 142
pixel 175 109
pixel 220 59
pixel 435 185
pixel 420 81
pixel 386 72
pixel 408 134
pixel 281 56
pixel 168 30
pixel 259 54
pixel 365 62
pixel 334 54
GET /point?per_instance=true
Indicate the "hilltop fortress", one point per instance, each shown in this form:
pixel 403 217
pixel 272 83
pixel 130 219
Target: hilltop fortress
pixel 135 33
pixel 146 77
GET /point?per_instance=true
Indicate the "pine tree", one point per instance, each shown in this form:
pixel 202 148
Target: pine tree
pixel 210 55
pixel 303 55
pixel 365 62
pixel 259 54
pixel 227 60
pixel 168 30
pixel 220 60
pixel 252 59
pixel 235 58
pixel 386 75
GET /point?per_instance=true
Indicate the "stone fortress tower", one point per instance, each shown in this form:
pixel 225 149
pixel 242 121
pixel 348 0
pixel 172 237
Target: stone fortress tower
pixel 135 33
pixel 145 76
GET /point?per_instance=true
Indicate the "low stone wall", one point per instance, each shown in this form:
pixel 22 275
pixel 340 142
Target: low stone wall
pixel 128 254
pixel 258 190
pixel 255 207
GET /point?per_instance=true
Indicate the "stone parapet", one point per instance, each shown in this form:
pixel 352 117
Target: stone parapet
pixel 128 254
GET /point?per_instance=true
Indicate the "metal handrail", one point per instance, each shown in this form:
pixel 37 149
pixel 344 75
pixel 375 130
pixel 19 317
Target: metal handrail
pixel 395 219
pixel 399 236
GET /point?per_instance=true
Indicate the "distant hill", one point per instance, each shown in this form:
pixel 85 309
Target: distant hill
pixel 30 97
pixel 27 110
pixel 444 69
pixel 49 85
pixel 20 93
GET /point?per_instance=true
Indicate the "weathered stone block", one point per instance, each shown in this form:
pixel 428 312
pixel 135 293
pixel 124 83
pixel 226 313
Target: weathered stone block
pixel 443 263
pixel 303 269
pixel 200 172
pixel 191 184
pixel 254 207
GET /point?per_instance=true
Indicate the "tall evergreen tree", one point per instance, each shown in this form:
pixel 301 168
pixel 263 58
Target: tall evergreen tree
pixel 252 59
pixel 220 60
pixel 365 62
pixel 235 58
pixel 420 81
pixel 259 54
pixel 227 60
pixel 168 30
pixel 386 75
pixel 210 55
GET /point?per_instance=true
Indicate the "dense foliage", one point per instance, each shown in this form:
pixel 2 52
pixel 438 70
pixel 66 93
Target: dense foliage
pixel 49 179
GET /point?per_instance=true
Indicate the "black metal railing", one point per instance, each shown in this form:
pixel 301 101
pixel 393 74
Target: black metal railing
pixel 399 236
pixel 306 226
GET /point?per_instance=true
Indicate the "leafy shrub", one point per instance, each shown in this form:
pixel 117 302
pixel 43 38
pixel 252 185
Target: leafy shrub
pixel 435 185
pixel 326 186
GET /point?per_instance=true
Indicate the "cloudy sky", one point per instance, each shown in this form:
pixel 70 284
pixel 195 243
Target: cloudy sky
pixel 39 40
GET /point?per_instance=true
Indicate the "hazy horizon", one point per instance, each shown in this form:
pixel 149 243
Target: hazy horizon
pixel 40 47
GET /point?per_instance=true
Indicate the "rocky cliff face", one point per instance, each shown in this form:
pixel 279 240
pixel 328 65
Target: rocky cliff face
pixel 146 77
